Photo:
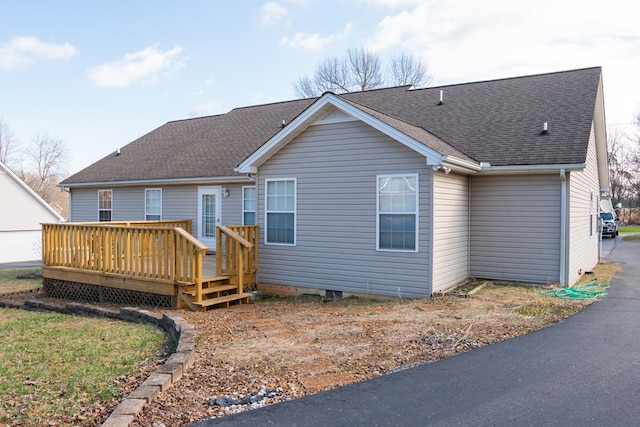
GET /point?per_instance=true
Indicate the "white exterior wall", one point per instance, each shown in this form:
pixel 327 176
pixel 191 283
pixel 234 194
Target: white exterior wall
pixel 335 167
pixel 21 214
pixel 583 216
pixel 515 228
pixel 20 246
pixel 450 230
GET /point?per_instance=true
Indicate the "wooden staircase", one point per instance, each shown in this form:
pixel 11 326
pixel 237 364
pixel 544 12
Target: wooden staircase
pixel 216 292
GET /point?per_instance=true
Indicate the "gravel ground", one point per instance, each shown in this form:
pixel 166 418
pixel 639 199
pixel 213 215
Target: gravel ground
pixel 275 350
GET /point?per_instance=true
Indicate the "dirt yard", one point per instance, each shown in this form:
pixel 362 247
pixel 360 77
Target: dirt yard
pixel 284 348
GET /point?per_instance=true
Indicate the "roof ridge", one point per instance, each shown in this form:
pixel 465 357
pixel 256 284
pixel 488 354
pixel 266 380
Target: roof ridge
pixel 209 116
pixel 509 78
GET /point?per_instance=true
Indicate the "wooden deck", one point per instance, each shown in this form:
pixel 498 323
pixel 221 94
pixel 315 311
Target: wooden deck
pixel 148 263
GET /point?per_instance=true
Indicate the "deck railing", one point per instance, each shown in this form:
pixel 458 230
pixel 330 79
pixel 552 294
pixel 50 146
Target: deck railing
pixel 237 253
pixel 153 250
pixel 185 224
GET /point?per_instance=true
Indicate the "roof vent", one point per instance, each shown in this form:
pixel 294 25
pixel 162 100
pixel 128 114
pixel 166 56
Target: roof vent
pixel 441 97
pixel 545 128
pixel 118 152
pixel 283 123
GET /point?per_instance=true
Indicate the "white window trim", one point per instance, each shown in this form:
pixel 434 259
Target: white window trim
pixel 145 203
pixel 255 211
pixel 417 211
pixel 295 211
pixel 110 210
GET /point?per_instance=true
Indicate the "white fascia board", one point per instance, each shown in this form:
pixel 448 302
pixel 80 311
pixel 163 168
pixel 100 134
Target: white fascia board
pixel 533 168
pixel 169 181
pixel 271 146
pixel 29 190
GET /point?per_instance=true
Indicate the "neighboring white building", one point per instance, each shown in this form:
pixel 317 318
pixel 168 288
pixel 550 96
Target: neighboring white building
pixel 21 213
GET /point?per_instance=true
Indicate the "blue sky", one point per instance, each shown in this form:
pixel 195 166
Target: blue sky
pixel 99 74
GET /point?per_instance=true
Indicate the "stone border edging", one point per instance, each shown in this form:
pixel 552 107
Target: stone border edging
pixel 162 379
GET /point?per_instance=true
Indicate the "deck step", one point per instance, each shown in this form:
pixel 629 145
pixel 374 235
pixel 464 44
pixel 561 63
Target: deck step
pixel 215 279
pixel 222 300
pixel 213 290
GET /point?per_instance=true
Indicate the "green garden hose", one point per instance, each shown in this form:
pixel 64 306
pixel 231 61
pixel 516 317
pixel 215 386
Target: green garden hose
pixel 591 290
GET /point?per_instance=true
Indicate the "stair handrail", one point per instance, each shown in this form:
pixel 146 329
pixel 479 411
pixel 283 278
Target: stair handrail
pixel 235 245
pixel 190 264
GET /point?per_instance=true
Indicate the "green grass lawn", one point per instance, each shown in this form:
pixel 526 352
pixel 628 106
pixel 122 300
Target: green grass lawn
pixel 69 370
pixel 630 229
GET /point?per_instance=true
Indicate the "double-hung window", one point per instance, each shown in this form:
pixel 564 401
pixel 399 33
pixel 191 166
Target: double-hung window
pixel 248 205
pixel 153 204
pixel 397 207
pixel 105 200
pixel 280 211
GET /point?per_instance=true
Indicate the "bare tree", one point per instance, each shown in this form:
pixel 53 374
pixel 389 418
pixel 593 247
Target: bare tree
pixel 358 70
pixel 7 142
pixel 620 160
pixel 623 154
pixel 46 160
pixel 408 70
pixel 332 75
pixel 366 69
pixel 304 87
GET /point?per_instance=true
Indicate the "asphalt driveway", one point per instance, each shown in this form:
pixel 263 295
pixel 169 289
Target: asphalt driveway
pixel 584 371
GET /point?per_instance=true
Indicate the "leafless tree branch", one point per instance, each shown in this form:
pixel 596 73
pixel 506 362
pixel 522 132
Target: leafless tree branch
pixel 358 70
pixel 7 143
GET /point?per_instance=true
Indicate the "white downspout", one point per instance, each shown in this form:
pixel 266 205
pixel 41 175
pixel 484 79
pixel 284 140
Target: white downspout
pixel 563 228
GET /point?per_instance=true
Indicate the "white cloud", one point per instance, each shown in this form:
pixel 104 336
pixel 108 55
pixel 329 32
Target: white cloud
pixel 314 41
pixel 21 51
pixel 272 13
pixel 505 38
pixel 139 67
pixel 392 3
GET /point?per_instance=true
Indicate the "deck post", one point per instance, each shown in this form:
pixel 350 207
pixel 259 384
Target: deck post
pixel 198 256
pixel 240 267
pixel 218 252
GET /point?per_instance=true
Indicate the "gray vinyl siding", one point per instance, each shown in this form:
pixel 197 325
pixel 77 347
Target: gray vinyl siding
pixel 336 214
pixel 515 228
pixel 83 205
pixel 128 204
pixel 232 205
pixel 178 202
pixel 583 214
pixel 450 230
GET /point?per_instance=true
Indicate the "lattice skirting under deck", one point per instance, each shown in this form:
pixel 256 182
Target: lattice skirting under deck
pixel 102 294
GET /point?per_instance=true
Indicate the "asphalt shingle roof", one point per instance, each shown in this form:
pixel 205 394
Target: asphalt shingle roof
pixel 497 121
